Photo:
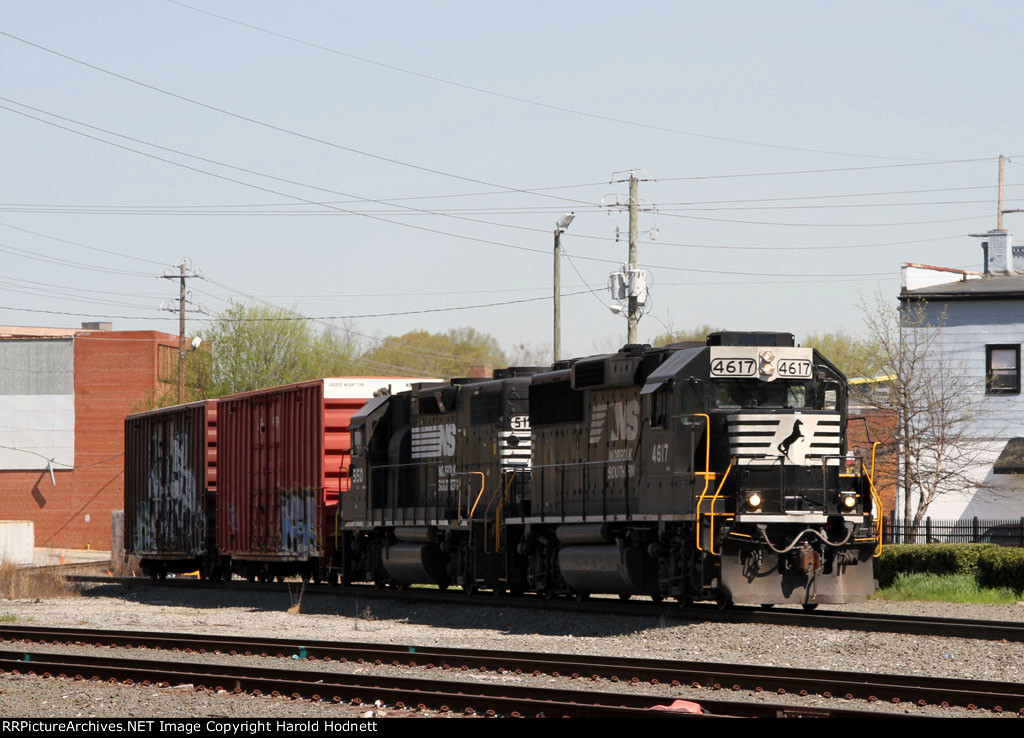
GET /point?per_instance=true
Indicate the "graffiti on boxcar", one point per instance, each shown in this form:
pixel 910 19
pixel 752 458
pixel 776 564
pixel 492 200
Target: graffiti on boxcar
pixel 298 522
pixel 170 517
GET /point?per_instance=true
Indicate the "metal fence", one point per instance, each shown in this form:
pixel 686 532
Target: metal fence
pixel 1007 532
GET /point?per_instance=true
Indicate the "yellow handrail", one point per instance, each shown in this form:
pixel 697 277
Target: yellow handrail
pixel 714 499
pixel 478 494
pixel 876 500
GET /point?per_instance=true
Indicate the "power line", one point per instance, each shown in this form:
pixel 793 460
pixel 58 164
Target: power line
pixel 81 245
pixel 824 225
pixel 279 129
pixel 831 170
pixel 6 248
pixel 528 101
pixel 312 202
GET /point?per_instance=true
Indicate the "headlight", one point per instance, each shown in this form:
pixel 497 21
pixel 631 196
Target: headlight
pixel 753 501
pixel 848 501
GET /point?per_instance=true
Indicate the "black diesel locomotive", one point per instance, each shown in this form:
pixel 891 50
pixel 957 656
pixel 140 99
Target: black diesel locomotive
pixel 694 471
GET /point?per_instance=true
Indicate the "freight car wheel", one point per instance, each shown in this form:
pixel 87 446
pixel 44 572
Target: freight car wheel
pixel 624 596
pixel 581 596
pixel 723 601
pixel 399 586
pixel 469 588
pixel 808 606
pixel 767 605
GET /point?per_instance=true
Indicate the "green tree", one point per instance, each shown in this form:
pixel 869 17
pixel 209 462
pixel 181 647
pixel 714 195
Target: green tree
pixel 855 357
pixel 252 346
pixel 256 346
pixel 443 355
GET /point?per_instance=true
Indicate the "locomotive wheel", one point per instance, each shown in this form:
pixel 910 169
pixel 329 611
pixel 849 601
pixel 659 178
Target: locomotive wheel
pixel 498 590
pixel 549 594
pixel 624 596
pixel 683 601
pixel 808 606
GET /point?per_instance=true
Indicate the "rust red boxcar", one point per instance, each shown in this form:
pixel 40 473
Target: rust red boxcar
pixel 284 457
pixel 170 483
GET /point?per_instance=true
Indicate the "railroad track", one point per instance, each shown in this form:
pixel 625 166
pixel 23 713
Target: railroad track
pixel 972 694
pixel 442 695
pixel 869 622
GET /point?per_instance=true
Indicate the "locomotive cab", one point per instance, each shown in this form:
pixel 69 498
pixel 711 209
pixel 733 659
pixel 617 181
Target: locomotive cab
pixel 784 508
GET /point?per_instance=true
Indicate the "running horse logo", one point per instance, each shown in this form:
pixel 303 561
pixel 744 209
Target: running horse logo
pixel 792 438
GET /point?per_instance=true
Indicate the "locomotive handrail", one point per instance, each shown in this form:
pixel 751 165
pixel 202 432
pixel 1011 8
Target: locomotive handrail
pixel 712 514
pixel 875 499
pixel 497 514
pixel 708 474
pixel 478 494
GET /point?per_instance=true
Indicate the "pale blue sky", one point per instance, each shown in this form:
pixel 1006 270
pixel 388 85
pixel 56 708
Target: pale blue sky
pixel 874 83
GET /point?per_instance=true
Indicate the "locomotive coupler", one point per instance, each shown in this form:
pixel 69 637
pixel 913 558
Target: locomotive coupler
pixel 805 559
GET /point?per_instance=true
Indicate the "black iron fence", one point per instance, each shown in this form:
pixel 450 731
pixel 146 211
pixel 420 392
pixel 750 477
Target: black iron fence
pixel 1008 532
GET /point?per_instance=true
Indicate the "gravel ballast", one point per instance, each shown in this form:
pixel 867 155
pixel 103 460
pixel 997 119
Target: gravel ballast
pixel 463 624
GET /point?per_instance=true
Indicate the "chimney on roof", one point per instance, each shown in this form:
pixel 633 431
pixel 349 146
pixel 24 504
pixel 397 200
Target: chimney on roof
pixel 97 326
pixel 999 253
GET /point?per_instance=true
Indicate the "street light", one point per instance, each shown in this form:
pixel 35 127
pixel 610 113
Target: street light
pixel 560 226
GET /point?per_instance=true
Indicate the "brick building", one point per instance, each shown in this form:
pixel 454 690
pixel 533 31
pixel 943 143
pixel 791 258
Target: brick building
pixel 64 394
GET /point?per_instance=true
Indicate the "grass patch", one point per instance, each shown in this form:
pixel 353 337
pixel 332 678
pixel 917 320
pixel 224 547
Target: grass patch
pixel 18 583
pixel 944 588
pixel 8 617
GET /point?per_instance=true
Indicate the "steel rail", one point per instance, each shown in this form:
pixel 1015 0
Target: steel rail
pixel 446 696
pixel 994 630
pixel 896 688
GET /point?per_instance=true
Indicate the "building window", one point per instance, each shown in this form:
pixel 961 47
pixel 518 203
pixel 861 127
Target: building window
pixel 1002 370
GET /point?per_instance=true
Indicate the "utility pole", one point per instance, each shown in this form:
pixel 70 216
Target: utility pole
pixel 185 271
pixel 557 348
pixel 560 227
pixel 633 314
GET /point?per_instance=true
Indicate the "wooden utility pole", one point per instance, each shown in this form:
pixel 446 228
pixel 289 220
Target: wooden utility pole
pixel 185 271
pixel 181 336
pixel 633 314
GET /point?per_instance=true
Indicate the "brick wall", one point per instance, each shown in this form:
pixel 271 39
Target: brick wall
pixel 868 425
pixel 114 370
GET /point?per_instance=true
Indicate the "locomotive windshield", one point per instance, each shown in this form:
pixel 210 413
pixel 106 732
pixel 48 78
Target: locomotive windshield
pixel 779 394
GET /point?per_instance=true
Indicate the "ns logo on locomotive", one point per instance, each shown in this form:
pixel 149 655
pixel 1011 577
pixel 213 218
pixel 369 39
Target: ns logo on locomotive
pixel 695 471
